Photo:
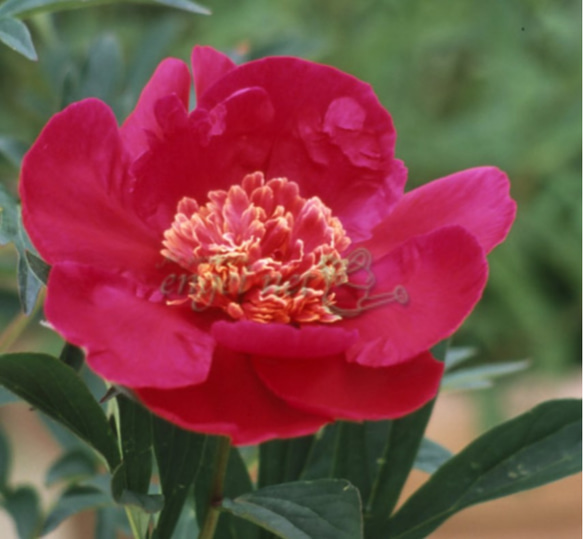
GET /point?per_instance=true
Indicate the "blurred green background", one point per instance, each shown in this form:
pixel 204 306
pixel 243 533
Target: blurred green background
pixel 467 82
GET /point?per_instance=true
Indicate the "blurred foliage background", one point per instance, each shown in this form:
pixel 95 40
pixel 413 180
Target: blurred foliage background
pixel 467 82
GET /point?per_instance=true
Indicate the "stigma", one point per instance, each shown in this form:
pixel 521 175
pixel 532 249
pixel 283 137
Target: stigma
pixel 259 251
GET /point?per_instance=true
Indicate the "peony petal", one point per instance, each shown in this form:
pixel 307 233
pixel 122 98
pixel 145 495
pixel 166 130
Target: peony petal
pixel 289 118
pixel 128 339
pixel 281 340
pixel 73 187
pixel 208 66
pixel 233 402
pixel 477 199
pixel 417 295
pixel 349 391
pixel 330 134
pixel 171 77
pixel 198 155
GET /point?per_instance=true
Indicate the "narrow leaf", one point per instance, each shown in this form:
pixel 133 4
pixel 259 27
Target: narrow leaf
pixel 22 8
pixel 431 456
pixel 538 447
pixel 282 461
pixel 403 444
pixel 358 453
pixel 71 466
pixel 326 509
pixel 74 500
pixel 15 34
pixel 457 355
pixel 52 387
pixel 38 266
pixel 23 505
pixel 480 376
pixel 178 454
pixel 135 433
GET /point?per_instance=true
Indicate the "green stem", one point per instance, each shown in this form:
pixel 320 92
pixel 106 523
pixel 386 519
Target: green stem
pixel 212 516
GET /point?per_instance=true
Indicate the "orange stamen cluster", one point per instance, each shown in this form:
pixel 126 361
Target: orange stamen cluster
pixel 260 252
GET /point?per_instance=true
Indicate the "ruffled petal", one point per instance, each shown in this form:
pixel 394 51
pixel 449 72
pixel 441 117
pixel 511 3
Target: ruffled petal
pixel 286 117
pixel 233 402
pixel 414 297
pixel 128 339
pixel 208 66
pixel 73 189
pixel 281 340
pixel 170 77
pixel 188 160
pixel 349 391
pixel 477 199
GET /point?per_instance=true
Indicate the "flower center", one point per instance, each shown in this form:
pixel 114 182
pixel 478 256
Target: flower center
pixel 260 252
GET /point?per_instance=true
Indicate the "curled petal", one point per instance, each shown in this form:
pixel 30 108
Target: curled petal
pixel 233 402
pixel 170 78
pixel 128 339
pixel 414 297
pixel 477 199
pixel 351 391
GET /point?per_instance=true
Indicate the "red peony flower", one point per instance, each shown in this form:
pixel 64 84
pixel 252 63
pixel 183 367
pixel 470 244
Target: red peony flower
pixel 252 268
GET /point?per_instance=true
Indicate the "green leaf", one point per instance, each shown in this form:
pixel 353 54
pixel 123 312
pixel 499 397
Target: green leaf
pixel 457 355
pixel 5 460
pixel 135 433
pixel 53 388
pixel 74 500
pixel 11 231
pixel 178 454
pixel 282 461
pixel 148 503
pixel 38 266
pixel 326 509
pixel 358 453
pixel 404 441
pixel 480 377
pixel 319 462
pixel 71 466
pixel 72 356
pixel 23 505
pixel 431 456
pixel 15 34
pixel 25 8
pixel 13 150
pixel 538 447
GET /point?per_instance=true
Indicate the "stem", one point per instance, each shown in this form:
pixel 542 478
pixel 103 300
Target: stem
pixel 213 513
